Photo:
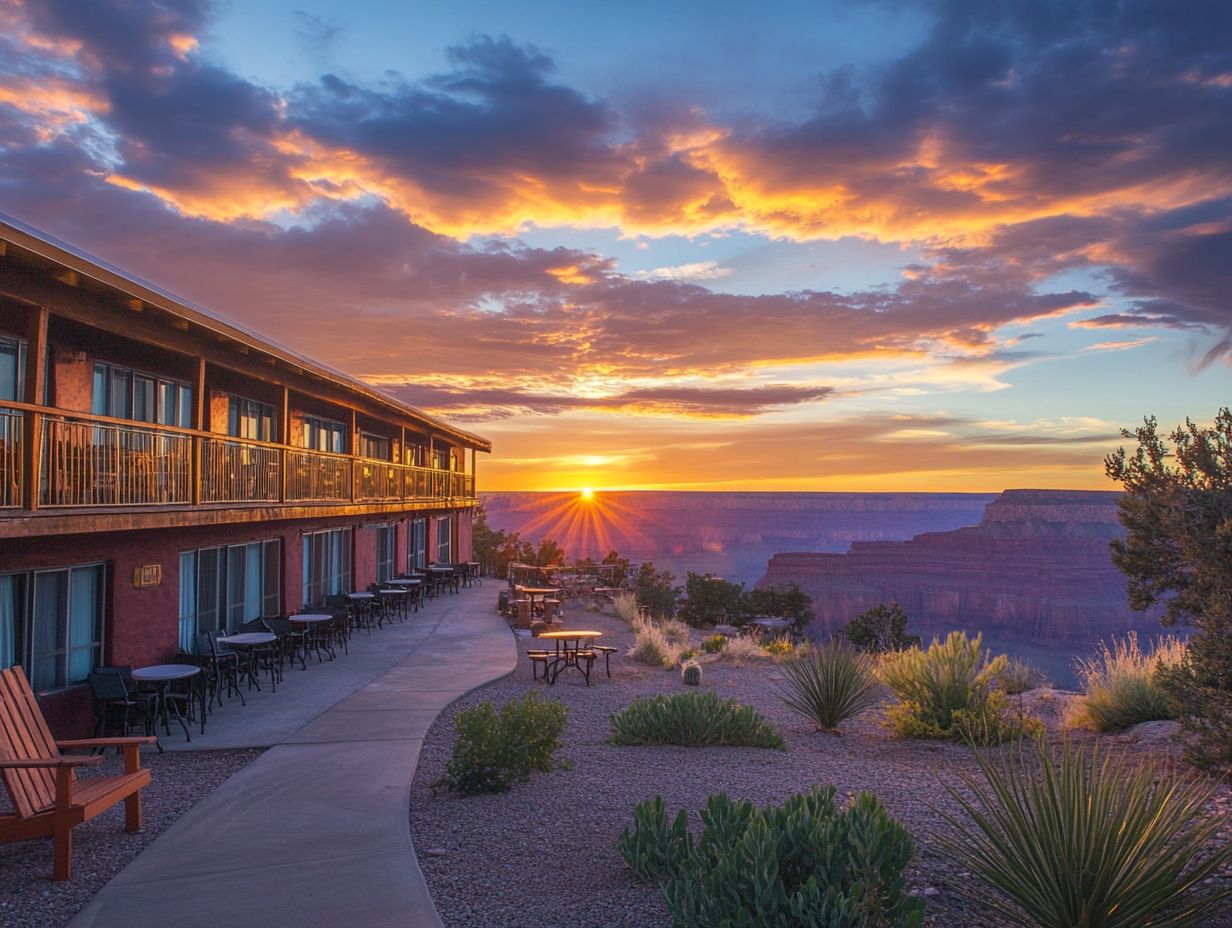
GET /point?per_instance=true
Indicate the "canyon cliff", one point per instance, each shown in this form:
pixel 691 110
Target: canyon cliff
pixel 1034 576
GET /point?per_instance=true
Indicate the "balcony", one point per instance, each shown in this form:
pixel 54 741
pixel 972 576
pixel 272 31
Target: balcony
pixel 94 461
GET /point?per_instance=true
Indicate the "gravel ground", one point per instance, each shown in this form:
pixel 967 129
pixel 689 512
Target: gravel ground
pixel 29 898
pixel 544 855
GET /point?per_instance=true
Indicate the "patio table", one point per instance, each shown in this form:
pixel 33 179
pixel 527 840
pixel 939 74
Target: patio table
pixel 162 676
pixel 313 620
pixel 247 641
pixel 569 647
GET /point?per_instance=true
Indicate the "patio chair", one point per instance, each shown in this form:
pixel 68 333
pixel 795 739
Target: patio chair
pixel 293 641
pixel 115 704
pixel 46 797
pixel 228 664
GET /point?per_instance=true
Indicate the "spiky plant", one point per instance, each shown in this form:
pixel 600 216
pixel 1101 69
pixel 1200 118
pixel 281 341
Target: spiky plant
pixel 830 686
pixel 1087 840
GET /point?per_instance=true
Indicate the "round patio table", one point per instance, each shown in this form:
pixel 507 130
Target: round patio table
pixel 162 676
pixel 312 620
pixel 412 585
pixel 247 641
pixel 567 656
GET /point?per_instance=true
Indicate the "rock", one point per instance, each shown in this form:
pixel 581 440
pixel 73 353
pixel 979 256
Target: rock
pixel 436 852
pixel 931 891
pixel 1164 735
pixel 1034 576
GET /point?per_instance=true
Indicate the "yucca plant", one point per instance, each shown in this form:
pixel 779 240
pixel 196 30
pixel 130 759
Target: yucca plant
pixel 830 686
pixel 1087 841
pixel 1120 685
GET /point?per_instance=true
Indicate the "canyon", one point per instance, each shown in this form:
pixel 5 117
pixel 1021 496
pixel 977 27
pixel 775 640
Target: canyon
pixel 1034 576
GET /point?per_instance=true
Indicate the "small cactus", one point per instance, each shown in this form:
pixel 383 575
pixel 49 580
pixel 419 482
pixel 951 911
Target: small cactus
pixel 691 673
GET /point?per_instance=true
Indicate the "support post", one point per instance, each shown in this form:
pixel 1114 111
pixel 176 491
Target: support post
pixel 36 384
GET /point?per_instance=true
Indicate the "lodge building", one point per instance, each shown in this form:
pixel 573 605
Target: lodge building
pixel 165 471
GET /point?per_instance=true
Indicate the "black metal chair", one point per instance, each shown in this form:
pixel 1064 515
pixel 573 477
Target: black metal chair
pixel 263 656
pixel 293 641
pixel 114 702
pixel 228 664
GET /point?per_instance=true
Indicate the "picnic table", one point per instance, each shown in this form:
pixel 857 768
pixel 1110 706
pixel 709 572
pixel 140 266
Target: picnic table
pixel 573 648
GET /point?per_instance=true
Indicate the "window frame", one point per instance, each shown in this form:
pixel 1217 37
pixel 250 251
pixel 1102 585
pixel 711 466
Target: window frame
pixel 24 649
pixel 218 590
pixel 179 392
pixel 444 540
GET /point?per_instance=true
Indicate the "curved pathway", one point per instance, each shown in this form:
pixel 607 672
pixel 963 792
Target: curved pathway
pixel 315 832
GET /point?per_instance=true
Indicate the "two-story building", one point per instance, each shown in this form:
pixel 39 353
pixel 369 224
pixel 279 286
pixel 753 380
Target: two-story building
pixel 165 471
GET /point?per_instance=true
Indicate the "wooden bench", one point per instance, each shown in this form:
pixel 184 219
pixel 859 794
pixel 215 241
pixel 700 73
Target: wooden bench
pixel 539 659
pixel 607 651
pixel 48 799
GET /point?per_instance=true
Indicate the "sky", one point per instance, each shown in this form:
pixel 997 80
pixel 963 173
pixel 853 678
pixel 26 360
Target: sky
pixel 916 246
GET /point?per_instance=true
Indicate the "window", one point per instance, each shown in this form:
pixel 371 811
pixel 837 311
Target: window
pixel 385 541
pixel 327 564
pixel 125 394
pixel 222 587
pixel 417 544
pixel 444 540
pixel 440 458
pixel 51 622
pixel 324 435
pixel 375 447
pixel 12 370
pixel 415 454
pixel 249 419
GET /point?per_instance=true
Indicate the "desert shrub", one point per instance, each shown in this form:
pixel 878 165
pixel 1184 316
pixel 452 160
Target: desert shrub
pixel 806 863
pixel 830 686
pixel 880 629
pixel 778 648
pixel 1020 676
pixel 675 632
pixel 650 647
pixel 714 644
pixel 947 692
pixel 624 604
pixel 744 648
pixel 686 655
pixel 494 750
pixel 1121 687
pixel 693 719
pixel 691 673
pixel 1087 841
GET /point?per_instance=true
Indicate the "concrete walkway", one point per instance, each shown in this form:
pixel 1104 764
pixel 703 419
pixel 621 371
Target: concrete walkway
pixel 315 832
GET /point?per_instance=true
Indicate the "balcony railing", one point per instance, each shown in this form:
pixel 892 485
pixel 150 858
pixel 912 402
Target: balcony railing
pixel 318 477
pixel 12 425
pixel 234 471
pixel 88 461
pixel 95 464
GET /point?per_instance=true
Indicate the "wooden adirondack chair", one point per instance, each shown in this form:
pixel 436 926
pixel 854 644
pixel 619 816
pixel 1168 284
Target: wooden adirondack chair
pixel 47 797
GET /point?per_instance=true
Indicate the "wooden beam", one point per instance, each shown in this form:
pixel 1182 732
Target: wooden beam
pixel 67 277
pixel 137 306
pixel 36 373
pixel 199 423
pixel 4 248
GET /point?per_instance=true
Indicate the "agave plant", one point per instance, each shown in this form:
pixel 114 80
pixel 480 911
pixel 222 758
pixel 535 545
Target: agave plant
pixel 1087 841
pixel 831 686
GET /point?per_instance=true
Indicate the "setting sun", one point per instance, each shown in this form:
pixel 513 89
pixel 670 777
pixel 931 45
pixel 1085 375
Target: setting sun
pixel 587 493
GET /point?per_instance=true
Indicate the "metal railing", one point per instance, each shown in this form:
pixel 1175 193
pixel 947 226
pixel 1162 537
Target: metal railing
pixel 96 464
pixel 318 477
pixel 236 471
pixel 12 484
pixel 89 461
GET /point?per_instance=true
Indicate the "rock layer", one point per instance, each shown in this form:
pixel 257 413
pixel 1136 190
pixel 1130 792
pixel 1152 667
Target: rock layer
pixel 1034 576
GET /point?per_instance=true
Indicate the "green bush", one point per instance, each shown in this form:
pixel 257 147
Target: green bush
pixel 947 692
pixel 650 647
pixel 1121 685
pixel 1020 676
pixel 806 863
pixel 830 686
pixel 1087 841
pixel 693 719
pixel 880 629
pixel 714 644
pixel 493 751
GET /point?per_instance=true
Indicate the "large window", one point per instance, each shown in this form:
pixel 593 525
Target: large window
pixel 327 564
pixel 324 435
pixel 125 394
pixel 51 622
pixel 249 419
pixel 417 544
pixel 375 447
pixel 385 541
pixel 220 588
pixel 12 370
pixel 444 540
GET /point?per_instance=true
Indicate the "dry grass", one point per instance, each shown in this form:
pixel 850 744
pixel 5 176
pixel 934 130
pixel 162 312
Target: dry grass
pixel 1119 685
